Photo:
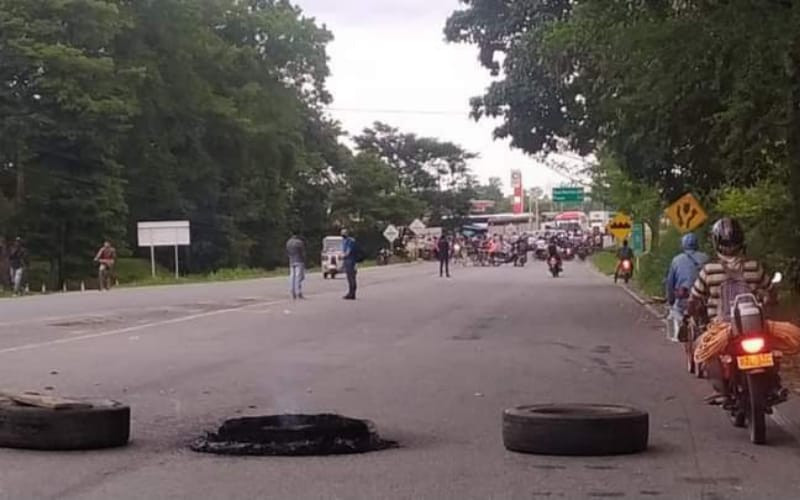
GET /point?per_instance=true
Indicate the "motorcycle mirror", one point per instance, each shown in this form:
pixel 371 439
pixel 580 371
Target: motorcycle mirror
pixel 777 278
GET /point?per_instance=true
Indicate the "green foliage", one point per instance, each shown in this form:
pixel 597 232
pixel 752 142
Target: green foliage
pixel 113 112
pixel 765 211
pixel 605 262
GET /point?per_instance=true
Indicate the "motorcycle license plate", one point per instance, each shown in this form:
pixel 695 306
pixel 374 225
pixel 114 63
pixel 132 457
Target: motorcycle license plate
pixel 753 361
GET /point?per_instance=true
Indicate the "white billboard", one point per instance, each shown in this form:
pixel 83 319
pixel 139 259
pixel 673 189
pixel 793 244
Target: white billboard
pixel 164 233
pixel 170 233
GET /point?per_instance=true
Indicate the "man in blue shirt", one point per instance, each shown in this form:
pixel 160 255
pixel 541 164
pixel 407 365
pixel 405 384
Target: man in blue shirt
pixel 680 279
pixel 349 250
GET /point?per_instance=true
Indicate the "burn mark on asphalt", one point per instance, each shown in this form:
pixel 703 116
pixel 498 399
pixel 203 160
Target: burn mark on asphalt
pixel 599 361
pixel 601 467
pixel 548 467
pixel 569 347
pixel 466 336
pixel 650 493
pixel 712 481
pixel 606 494
pixel 602 349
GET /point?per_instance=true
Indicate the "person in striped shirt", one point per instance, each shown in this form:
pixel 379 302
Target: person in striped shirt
pixel 746 275
pixel 731 263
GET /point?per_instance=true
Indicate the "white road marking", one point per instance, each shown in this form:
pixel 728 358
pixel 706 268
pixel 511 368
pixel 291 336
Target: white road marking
pixel 135 328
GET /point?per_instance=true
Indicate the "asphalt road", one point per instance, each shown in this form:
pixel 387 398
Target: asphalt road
pixel 432 361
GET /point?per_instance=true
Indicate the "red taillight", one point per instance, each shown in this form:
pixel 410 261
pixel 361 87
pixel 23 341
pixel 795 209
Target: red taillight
pixel 626 264
pixel 753 345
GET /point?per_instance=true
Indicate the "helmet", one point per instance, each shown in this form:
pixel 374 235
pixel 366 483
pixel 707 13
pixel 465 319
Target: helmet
pixel 689 242
pixel 728 237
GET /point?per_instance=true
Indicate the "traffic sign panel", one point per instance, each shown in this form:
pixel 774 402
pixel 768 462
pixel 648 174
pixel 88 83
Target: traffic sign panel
pixel 391 233
pixel 686 213
pixel 620 226
pixel 568 194
pixel 417 226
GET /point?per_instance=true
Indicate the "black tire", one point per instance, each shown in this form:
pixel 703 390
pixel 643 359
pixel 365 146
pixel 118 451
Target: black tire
pixel 756 419
pixel 105 425
pixel 575 430
pixel 627 278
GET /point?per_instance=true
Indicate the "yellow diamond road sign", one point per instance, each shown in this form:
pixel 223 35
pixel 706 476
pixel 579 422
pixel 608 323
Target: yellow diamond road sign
pixel 686 213
pixel 620 226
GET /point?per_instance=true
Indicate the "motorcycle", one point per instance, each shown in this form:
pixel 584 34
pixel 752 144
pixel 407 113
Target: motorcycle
pixel 582 252
pixel 750 367
pixel 555 266
pixel 626 271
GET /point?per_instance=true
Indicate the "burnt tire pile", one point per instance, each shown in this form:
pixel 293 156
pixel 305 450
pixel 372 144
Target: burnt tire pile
pixel 575 430
pixel 293 435
pixel 94 424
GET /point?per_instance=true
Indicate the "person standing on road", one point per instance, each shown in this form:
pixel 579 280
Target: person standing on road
pixel 443 252
pixel 296 251
pixel 17 261
pixel 350 258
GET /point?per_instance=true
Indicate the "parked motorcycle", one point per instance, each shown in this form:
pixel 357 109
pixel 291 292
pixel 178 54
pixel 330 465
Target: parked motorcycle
pixel 750 367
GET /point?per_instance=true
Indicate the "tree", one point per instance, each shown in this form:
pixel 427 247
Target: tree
pixel 66 104
pixel 435 171
pixel 367 199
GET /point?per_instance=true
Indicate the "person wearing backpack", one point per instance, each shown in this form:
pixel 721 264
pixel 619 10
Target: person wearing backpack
pixel 352 255
pixel 681 276
pixel 720 280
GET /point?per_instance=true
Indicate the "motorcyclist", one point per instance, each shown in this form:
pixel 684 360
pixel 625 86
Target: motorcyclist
pixel 552 252
pixel 624 253
pixel 730 262
pixel 681 276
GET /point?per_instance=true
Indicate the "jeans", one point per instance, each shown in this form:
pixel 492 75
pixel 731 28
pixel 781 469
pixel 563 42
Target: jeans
pixel 444 266
pixel 16 279
pixel 297 274
pixel 350 271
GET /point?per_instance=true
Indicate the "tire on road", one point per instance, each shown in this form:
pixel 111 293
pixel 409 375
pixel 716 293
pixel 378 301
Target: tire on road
pixel 575 430
pixel 105 425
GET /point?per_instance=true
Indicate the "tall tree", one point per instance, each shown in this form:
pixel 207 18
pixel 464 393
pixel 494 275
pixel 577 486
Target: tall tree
pixel 65 104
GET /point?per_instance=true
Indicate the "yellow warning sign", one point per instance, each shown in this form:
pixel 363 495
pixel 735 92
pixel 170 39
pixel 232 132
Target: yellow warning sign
pixel 686 214
pixel 620 226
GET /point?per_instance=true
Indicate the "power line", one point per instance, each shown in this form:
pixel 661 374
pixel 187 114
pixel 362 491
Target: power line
pixel 441 112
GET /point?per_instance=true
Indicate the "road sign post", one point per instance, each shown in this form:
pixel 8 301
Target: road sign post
pixel 686 214
pixel 620 226
pixel 417 226
pixel 637 238
pixel 391 233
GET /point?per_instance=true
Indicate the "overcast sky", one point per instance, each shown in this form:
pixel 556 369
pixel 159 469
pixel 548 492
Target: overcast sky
pixel 390 63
